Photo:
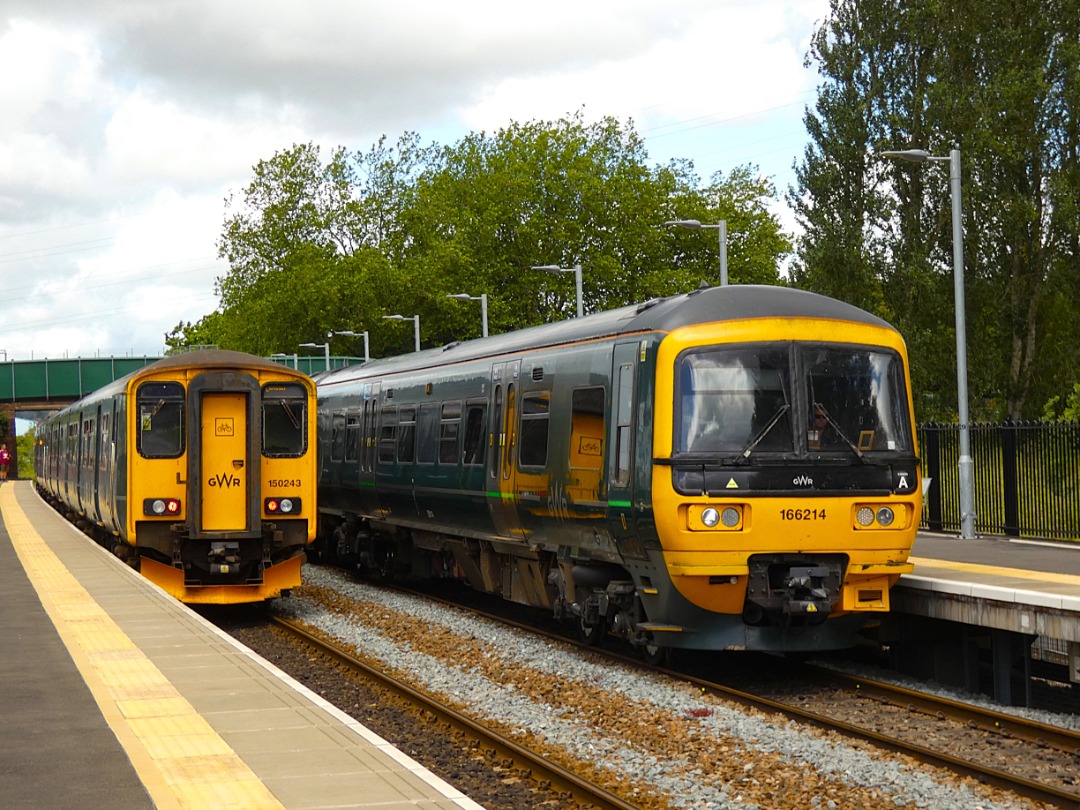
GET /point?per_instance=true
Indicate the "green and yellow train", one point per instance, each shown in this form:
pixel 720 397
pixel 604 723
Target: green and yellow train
pixel 734 468
pixel 198 470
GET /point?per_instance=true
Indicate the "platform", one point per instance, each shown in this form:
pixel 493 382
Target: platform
pixel 1014 591
pixel 116 695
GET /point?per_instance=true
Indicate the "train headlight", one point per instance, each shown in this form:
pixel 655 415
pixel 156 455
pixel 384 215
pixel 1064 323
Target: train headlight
pixel 161 507
pixel 881 516
pixel 703 518
pixel 281 506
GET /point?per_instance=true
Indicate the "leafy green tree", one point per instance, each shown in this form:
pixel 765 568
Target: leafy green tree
pixel 25 451
pixel 999 81
pixel 316 247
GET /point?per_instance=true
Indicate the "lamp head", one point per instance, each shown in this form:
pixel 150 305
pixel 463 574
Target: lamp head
pixel 692 224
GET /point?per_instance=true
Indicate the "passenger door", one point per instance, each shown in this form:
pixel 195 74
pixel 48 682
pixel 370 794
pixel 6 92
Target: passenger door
pixel 502 467
pixel 621 439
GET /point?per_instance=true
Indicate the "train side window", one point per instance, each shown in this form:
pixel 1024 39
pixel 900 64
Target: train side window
pixel 427 429
pixel 510 424
pixel 88 442
pixel 337 436
pixel 623 427
pixel 587 432
pixel 406 434
pixel 352 437
pixel 497 436
pixel 533 451
pixel 161 411
pixel 472 451
pixel 449 430
pixel 284 420
pixel 388 436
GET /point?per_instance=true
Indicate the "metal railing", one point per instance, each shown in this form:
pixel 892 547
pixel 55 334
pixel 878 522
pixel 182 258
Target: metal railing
pixel 1027 478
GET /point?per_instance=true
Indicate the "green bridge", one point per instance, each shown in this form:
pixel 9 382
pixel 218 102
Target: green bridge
pixel 39 384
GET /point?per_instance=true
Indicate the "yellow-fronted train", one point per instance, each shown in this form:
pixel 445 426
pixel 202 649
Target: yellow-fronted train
pixel 734 468
pixel 199 470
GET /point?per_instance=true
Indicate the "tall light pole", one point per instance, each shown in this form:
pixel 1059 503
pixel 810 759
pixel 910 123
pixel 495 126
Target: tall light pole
pixel 416 325
pixel 721 227
pixel 348 333
pixel 482 298
pixel 967 481
pixel 576 270
pixel 324 346
pixel 295 359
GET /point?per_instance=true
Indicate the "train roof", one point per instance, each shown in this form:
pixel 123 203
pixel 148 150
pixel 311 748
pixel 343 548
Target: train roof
pixel 704 305
pixel 199 359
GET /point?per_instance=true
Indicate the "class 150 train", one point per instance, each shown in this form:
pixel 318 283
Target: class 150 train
pixel 198 470
pixel 733 468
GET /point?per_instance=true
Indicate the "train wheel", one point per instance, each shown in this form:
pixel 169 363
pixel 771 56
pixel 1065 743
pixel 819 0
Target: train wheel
pixel 590 634
pixel 654 655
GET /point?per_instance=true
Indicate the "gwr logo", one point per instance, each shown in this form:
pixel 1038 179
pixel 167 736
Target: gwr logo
pixel 224 480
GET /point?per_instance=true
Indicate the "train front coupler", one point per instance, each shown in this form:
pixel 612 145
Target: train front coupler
pixel 783 589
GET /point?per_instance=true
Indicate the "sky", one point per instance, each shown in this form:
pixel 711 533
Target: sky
pixel 125 124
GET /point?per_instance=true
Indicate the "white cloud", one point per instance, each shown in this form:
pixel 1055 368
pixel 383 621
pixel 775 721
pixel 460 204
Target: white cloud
pixel 126 122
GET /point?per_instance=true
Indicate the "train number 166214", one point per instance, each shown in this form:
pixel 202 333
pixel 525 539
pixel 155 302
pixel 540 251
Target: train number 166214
pixel 802 514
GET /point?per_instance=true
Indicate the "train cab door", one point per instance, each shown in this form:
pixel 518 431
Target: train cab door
pixel 224 490
pixel 502 445
pixel 224 466
pixel 621 441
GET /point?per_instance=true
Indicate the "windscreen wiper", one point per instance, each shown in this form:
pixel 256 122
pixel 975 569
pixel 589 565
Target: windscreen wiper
pixel 839 431
pixel 745 454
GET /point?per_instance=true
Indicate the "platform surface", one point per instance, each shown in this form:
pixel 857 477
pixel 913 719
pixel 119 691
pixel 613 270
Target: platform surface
pixel 116 695
pixel 1046 572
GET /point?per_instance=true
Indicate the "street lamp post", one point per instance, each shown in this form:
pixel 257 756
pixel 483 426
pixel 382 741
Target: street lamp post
pixel 295 360
pixel 416 325
pixel 576 270
pixel 324 346
pixel 721 227
pixel 482 298
pixel 348 333
pixel 967 482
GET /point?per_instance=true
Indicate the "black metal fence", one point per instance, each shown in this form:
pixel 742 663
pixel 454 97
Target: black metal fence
pixel 1027 478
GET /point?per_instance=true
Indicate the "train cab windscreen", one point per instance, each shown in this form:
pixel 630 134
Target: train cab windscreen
pixel 855 401
pixel 160 408
pixel 284 420
pixel 790 399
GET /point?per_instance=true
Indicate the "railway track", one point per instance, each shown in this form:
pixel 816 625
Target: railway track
pixel 877 712
pixel 1033 738
pixel 562 779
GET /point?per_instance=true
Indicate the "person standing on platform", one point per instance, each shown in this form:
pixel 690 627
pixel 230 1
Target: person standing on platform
pixel 5 460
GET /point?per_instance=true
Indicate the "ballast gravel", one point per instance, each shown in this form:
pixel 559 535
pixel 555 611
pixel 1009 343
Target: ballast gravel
pixel 682 748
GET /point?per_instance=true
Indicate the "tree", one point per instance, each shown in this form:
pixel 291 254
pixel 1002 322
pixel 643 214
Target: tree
pixel 314 247
pixel 999 81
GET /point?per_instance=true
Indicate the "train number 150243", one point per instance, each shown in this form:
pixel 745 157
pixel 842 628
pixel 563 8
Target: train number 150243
pixel 802 514
pixel 284 482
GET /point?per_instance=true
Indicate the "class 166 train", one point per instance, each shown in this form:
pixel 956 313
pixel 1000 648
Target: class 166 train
pixel 199 470
pixel 734 468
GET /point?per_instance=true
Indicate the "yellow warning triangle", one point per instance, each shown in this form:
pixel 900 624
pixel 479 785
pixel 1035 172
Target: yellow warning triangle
pixel 731 484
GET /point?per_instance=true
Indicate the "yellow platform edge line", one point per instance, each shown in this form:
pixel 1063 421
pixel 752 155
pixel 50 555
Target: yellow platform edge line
pixel 996 570
pixel 175 758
